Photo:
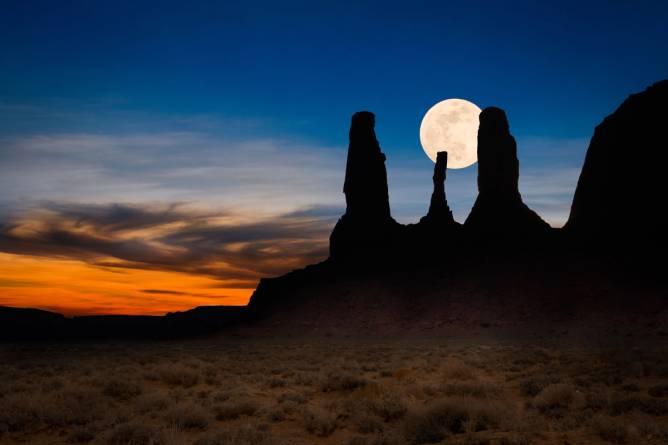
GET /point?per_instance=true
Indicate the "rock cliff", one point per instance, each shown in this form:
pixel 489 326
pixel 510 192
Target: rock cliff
pixel 619 202
pixel 498 212
pixel 367 228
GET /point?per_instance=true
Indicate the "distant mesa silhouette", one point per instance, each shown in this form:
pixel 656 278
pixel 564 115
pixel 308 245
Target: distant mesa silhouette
pixel 498 210
pixel 36 324
pixel 620 199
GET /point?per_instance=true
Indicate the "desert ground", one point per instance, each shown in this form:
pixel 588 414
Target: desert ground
pixel 328 391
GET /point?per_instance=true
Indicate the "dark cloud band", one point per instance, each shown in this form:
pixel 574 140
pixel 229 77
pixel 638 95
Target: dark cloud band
pixel 171 238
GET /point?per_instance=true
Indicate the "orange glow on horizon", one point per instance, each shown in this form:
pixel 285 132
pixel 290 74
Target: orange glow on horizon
pixel 74 287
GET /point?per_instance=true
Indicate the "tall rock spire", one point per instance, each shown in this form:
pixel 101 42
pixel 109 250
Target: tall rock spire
pixel 365 185
pixel 499 210
pixel 367 224
pixel 439 211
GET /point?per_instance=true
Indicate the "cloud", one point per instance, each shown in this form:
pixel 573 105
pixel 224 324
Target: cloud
pixel 275 174
pixel 161 291
pixel 220 244
pixel 184 294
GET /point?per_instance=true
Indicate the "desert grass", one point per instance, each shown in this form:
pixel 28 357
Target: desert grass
pixel 255 392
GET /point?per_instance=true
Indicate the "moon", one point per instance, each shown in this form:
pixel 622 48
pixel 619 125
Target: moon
pixel 451 125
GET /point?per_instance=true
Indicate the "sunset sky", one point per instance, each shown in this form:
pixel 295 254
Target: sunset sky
pixel 156 156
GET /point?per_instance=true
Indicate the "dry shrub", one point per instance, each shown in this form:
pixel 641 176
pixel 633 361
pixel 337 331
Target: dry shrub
pixel 276 413
pixel 630 387
pixel 532 386
pixel 188 416
pixel 319 421
pixel 558 400
pixel 434 422
pixel 121 389
pixel 379 439
pixel 82 434
pixel 275 382
pixel 401 373
pixel 56 409
pixel 648 405
pixel 388 406
pixel 514 439
pixel 366 423
pixel 305 378
pixel 360 413
pixel 611 430
pixel 653 430
pixel 481 390
pixel 211 375
pixel 19 412
pixel 53 384
pixel 133 434
pixel 233 409
pixel 658 391
pixel 342 381
pixel 249 434
pixel 177 375
pixel 292 396
pixel 150 403
pixel 455 369
pixel 595 400
pixel 227 394
pixel 172 436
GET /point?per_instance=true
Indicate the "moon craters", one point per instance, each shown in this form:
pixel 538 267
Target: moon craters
pixel 451 125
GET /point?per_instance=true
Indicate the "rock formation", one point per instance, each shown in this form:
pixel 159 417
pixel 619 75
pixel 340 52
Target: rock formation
pixel 439 213
pixel 365 185
pixel 499 212
pixel 367 225
pixel 425 278
pixel 521 275
pixel 619 202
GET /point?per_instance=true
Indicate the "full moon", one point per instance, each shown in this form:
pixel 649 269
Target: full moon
pixel 451 125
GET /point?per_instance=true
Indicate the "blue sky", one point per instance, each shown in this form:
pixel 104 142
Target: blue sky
pixel 242 108
pixel 294 72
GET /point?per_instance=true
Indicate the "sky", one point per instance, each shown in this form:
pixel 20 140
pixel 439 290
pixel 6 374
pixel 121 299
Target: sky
pixel 156 156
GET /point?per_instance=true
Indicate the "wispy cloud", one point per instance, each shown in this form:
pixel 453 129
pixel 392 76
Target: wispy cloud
pixel 220 244
pixel 270 174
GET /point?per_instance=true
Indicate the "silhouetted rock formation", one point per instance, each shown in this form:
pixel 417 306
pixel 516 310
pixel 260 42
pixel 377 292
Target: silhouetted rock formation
pixel 30 324
pixel 619 202
pixel 35 324
pixel 365 185
pixel 425 279
pixel 367 225
pixel 499 211
pixel 439 213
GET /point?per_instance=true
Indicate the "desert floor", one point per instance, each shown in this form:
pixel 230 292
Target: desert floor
pixel 244 391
